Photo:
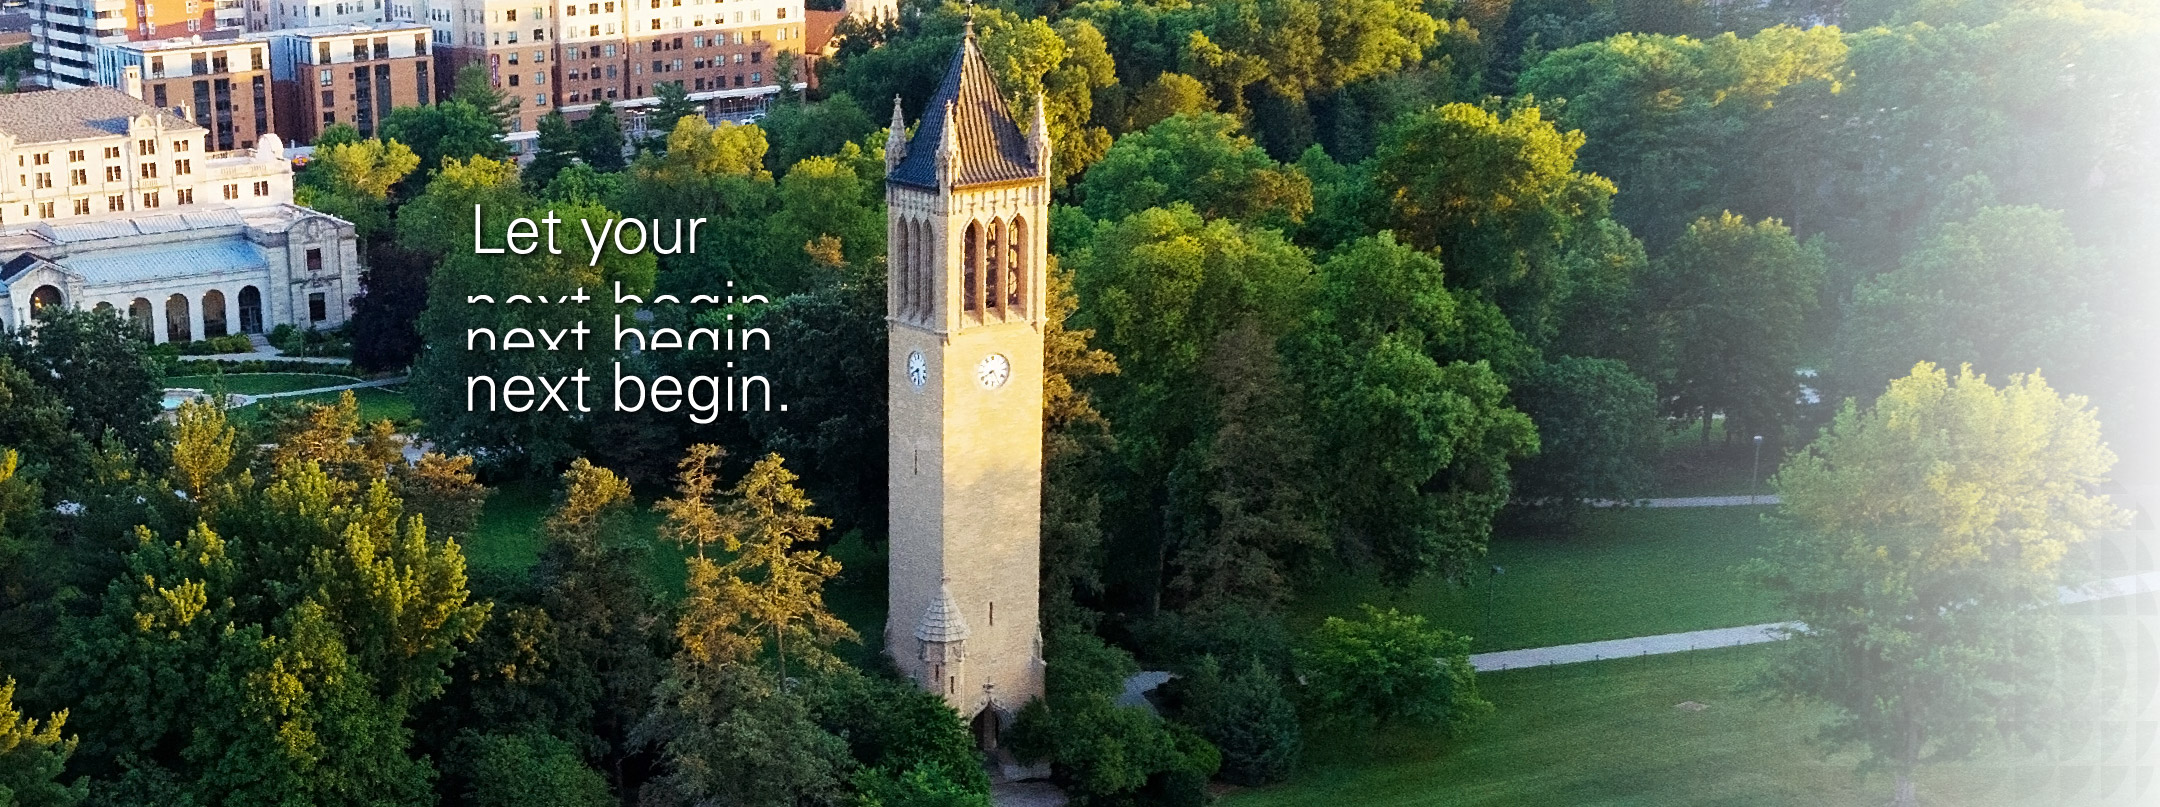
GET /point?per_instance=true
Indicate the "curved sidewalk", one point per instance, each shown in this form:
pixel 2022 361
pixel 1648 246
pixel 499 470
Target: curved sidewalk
pixel 2130 585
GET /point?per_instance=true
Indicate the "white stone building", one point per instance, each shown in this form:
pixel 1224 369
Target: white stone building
pixel 106 201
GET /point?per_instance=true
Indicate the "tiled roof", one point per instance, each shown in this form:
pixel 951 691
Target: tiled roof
pixel 63 115
pixel 941 622
pixel 992 148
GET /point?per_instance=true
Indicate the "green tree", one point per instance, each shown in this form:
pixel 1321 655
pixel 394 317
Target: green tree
pixel 1669 118
pixel 451 130
pixel 1421 433
pixel 600 138
pixel 438 223
pixel 799 131
pixel 1597 429
pixel 1389 667
pixel 467 419
pixel 97 365
pixel 33 756
pixel 1732 299
pixel 353 181
pixel 1102 754
pixel 529 770
pixel 672 106
pixel 1201 160
pixel 1244 712
pixel 2006 290
pixel 1168 96
pixel 557 147
pixel 730 731
pixel 473 87
pixel 1497 194
pixel 1921 546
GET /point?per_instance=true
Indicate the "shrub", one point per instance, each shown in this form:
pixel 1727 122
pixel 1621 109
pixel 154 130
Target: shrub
pixel 1389 666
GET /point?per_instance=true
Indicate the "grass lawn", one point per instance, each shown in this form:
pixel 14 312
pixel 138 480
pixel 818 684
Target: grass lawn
pixel 260 383
pixel 1609 733
pixel 1624 573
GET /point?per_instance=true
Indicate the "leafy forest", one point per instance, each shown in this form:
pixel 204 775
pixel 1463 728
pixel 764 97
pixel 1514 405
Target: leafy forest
pixel 1338 285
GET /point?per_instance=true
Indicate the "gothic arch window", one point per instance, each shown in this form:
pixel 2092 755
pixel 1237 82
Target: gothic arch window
pixel 903 270
pixel 994 267
pixel 926 264
pixel 1016 266
pixel 971 268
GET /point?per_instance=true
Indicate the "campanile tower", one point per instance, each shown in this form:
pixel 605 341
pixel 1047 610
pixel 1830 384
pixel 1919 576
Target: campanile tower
pixel 968 206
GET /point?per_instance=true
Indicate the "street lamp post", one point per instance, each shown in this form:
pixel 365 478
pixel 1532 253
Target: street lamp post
pixel 1492 590
pixel 1755 474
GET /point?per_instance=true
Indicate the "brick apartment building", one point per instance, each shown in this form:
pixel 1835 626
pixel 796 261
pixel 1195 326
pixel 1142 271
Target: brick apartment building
pixel 349 74
pixel 352 61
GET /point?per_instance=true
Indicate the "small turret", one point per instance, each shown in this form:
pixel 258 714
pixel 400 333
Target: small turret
pixel 1039 135
pixel 948 152
pixel 896 142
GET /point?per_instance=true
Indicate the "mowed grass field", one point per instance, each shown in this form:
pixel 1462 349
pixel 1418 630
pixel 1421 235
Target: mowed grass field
pixel 1611 733
pixel 1630 572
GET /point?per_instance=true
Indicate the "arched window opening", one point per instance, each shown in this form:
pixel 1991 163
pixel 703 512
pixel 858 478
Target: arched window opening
pixel 902 270
pixel 140 313
pixel 1016 267
pixel 45 301
pixel 177 326
pixel 994 267
pixel 927 264
pixel 251 310
pixel 213 314
pixel 103 308
pixel 971 267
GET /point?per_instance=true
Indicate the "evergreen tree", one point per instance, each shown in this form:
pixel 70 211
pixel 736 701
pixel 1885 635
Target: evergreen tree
pixel 599 139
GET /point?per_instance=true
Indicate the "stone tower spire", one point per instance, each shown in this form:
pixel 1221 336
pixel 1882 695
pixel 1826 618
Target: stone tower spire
pixel 896 142
pixel 968 201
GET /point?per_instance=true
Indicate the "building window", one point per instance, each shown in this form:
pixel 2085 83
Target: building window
pixel 157 95
pixel 112 152
pixel 318 307
pixel 82 207
pixel 145 147
pixel 41 159
pixel 115 203
pixel 79 176
pixel 149 170
pixel 45 210
pixel 232 191
pixel 180 145
pixel 112 173
pixel 262 188
pixel 184 196
pixel 314 260
pixel 44 179
pixel 75 156
pixel 150 200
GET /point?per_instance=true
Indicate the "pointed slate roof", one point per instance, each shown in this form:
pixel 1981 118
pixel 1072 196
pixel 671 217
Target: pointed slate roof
pixel 941 622
pixel 992 147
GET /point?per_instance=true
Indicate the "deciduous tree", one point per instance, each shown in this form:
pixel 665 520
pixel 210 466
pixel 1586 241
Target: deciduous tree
pixel 1922 543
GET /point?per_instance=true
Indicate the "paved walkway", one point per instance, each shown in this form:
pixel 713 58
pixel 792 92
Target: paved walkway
pixel 1748 634
pixel 380 382
pixel 1693 501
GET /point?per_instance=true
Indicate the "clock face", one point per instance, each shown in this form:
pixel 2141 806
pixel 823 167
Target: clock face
pixel 918 369
pixel 993 371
